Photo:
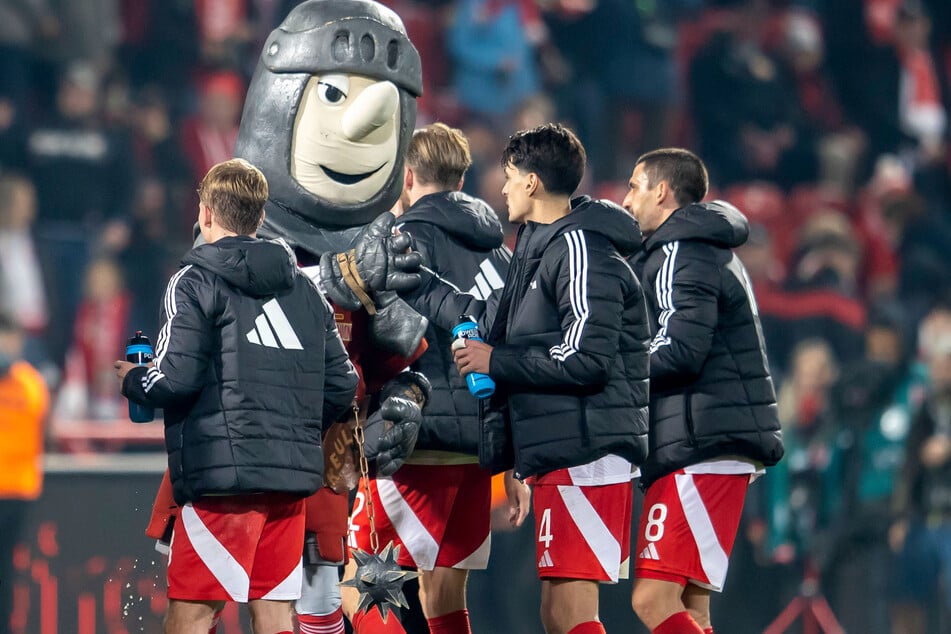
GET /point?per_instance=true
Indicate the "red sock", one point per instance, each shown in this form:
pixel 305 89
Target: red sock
pixel 708 630
pixel 679 623
pixel 588 627
pixel 322 624
pixel 371 622
pixel 453 623
pixel 214 622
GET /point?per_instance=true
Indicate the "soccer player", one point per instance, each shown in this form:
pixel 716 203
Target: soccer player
pixel 437 506
pixel 249 368
pixel 713 420
pixel 568 352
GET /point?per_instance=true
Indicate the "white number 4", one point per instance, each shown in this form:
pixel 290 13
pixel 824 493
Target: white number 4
pixel 544 528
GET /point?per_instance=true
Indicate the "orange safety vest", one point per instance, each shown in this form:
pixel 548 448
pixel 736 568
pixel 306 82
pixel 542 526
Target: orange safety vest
pixel 24 400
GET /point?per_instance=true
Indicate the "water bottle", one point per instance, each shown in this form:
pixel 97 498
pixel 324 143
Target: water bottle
pixel 480 385
pixel 139 351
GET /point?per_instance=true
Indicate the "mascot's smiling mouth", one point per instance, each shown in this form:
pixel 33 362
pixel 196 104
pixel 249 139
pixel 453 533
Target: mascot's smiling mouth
pixel 349 179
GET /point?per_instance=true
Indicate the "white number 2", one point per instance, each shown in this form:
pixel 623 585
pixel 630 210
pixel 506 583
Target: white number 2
pixel 544 528
pixel 654 530
pixel 358 504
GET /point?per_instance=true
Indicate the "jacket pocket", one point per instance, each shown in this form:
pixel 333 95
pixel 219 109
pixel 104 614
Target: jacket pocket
pixel 583 423
pixel 688 419
pixel 496 447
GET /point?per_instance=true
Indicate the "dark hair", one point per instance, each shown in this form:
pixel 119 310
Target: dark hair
pixel 553 152
pixel 683 170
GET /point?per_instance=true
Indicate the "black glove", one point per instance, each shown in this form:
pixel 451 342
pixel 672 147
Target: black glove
pixel 390 434
pixel 412 385
pixel 396 326
pixel 377 262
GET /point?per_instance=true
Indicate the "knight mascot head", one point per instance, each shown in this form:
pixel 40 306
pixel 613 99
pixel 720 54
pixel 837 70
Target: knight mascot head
pixel 328 117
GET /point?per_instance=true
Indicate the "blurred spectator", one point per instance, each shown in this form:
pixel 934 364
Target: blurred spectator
pixel 921 114
pixel 922 239
pixel 873 403
pixel 865 69
pixel 148 252
pixel 801 47
pixel 492 43
pixel 22 289
pixel 84 177
pixel 154 140
pixel 747 124
pixel 921 536
pixel 818 297
pixel 102 327
pixel 208 137
pixel 797 499
pixel 623 93
pixel 224 32
pixel 154 28
pixel 24 402
pixel 23 26
pixel 89 30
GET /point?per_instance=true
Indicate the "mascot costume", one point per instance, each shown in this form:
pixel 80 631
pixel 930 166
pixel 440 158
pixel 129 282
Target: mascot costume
pixel 328 117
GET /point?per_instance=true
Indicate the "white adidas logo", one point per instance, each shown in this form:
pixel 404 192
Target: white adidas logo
pixel 533 285
pixel 649 552
pixel 272 326
pixel 486 281
pixel 545 561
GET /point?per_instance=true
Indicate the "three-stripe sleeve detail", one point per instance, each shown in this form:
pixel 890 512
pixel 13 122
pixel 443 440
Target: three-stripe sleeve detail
pixel 165 334
pixel 578 295
pixel 664 289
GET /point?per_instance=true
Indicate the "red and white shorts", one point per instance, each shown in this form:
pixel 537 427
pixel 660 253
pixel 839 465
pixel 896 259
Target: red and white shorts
pixel 583 532
pixel 438 515
pixel 688 526
pixel 238 548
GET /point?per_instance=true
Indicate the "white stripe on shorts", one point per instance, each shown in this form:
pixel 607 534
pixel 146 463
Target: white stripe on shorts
pixel 599 538
pixel 289 589
pixel 216 557
pixel 713 558
pixel 422 547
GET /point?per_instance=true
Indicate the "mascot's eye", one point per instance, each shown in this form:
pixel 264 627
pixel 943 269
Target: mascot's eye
pixel 333 89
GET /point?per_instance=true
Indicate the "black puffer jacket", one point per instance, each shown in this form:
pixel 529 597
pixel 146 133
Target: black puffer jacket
pixel 571 341
pixel 711 391
pixel 460 239
pixel 249 367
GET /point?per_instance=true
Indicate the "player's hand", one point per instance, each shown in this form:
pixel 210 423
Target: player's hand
pixel 520 499
pixel 123 367
pixel 471 356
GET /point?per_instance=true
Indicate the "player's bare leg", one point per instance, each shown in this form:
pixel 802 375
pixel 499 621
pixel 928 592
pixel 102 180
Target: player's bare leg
pixel 567 603
pixel 271 617
pixel 190 617
pixel 697 602
pixel 654 601
pixel 443 590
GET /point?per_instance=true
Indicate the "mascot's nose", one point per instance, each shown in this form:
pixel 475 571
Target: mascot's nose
pixel 371 110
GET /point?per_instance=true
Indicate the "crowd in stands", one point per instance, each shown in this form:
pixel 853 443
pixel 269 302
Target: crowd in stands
pixel 825 121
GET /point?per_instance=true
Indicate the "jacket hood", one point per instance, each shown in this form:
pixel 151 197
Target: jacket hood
pixel 717 222
pixel 257 267
pixel 594 216
pixel 467 219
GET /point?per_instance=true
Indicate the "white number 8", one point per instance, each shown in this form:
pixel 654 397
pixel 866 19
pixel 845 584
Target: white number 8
pixel 654 530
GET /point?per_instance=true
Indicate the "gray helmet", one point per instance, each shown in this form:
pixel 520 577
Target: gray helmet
pixel 318 37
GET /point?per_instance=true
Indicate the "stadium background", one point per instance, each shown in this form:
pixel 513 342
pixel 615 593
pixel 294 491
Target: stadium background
pixel 823 120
